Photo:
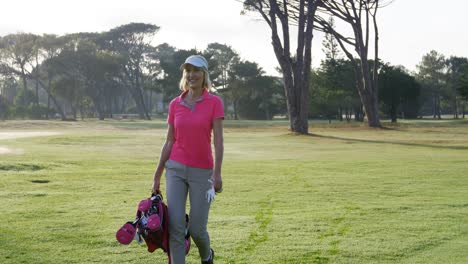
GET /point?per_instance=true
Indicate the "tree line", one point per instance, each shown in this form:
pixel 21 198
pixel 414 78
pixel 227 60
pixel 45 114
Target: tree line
pixel 120 72
pixel 439 86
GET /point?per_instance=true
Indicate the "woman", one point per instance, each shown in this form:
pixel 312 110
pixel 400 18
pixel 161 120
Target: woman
pixel 188 160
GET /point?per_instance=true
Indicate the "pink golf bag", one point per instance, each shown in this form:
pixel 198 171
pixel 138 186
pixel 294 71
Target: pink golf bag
pixel 152 224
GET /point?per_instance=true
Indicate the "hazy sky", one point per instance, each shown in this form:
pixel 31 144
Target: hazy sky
pixel 408 28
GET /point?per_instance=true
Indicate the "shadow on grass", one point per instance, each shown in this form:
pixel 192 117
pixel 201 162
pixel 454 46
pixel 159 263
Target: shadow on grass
pixel 390 142
pixel 21 167
pixel 40 181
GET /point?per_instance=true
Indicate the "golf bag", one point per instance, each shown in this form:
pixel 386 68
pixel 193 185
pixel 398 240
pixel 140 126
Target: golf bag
pixel 151 224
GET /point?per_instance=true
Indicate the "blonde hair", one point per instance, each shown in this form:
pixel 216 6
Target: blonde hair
pixel 206 82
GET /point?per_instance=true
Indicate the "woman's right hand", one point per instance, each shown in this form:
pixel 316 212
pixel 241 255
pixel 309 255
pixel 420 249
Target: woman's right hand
pixel 155 187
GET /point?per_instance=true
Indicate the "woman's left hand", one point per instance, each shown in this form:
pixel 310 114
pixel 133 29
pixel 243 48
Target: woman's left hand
pixel 217 183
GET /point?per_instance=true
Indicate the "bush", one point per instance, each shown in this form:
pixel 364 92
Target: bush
pixel 32 111
pixel 19 111
pixel 5 108
pixel 37 111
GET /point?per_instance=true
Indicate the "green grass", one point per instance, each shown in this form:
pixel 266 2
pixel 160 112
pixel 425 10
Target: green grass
pixel 345 194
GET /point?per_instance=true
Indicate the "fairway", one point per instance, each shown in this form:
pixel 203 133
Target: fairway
pixel 344 194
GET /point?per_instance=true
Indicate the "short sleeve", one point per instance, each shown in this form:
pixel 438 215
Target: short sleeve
pixel 218 109
pixel 170 113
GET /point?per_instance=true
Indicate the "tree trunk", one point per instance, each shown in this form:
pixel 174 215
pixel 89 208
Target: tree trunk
pixel 108 103
pixel 438 108
pixel 25 86
pixel 138 97
pixel 82 114
pixel 298 113
pixel 74 112
pixel 297 118
pixel 37 93
pixel 37 77
pixel 234 104
pixel 57 105
pixel 359 114
pixel 48 106
pixel 99 107
pixel 393 113
pixel 139 92
pixel 123 105
pixel 150 103
pixel 368 94
pixel 48 99
pixel 133 87
pixel 463 110
pixel 371 109
pixel 267 109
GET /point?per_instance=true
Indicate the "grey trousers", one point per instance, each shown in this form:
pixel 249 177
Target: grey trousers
pixel 180 181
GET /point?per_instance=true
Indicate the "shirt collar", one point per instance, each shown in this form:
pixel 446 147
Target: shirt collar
pixel 204 95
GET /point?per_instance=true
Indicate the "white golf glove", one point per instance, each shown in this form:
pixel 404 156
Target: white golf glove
pixel 210 194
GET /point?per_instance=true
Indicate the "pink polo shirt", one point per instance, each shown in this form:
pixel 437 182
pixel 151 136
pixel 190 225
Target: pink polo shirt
pixel 192 129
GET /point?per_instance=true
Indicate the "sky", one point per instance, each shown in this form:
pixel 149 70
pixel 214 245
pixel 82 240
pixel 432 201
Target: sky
pixel 408 28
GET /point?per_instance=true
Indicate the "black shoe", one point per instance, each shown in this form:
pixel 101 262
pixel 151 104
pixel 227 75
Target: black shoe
pixel 210 260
